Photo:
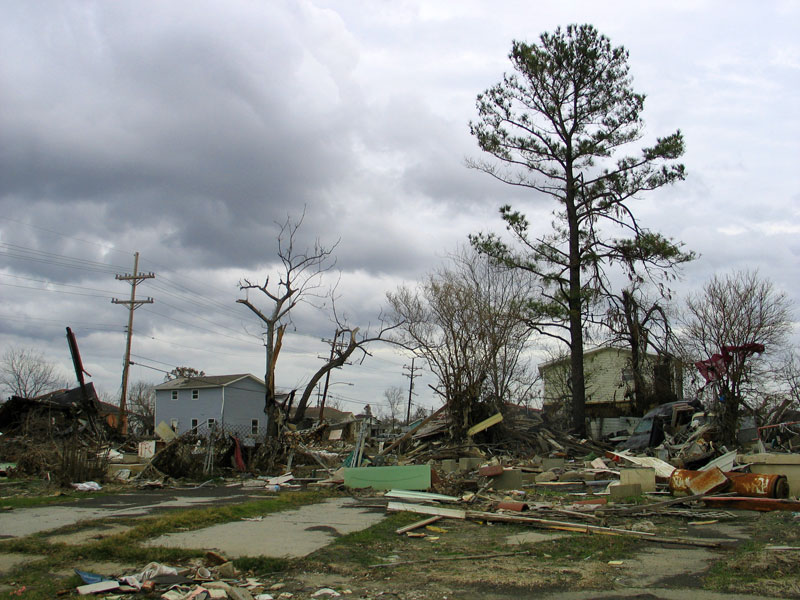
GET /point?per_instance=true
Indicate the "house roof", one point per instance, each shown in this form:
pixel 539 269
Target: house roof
pixel 206 381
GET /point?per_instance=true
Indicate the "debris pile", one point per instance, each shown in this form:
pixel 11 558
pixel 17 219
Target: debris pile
pixel 214 577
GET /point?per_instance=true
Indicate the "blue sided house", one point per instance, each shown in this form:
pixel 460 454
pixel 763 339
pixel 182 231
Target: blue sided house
pixel 233 403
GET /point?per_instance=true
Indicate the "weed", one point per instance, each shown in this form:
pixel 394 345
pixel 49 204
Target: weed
pixel 262 565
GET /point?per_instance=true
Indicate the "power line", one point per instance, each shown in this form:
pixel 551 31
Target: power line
pixel 105 247
pixel 82 324
pixel 24 253
pixel 47 281
pixel 199 300
pixel 214 351
pixel 202 318
pixel 196 326
pixel 41 289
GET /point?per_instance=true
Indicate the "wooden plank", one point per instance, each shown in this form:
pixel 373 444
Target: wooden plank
pixel 550 524
pixel 425 509
pixel 408 477
pixel 581 528
pixel 418 524
pixel 412 495
pixel 485 424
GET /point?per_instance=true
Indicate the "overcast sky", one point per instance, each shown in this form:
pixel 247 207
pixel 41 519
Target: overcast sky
pixel 186 130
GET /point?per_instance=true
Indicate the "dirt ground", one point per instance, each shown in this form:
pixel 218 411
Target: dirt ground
pixel 455 559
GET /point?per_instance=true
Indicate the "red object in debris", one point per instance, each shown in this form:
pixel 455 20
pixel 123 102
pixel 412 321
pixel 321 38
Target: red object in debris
pixel 697 482
pixel 714 368
pixel 759 485
pixel 750 485
pixel 237 455
pixel 511 505
pixel 491 471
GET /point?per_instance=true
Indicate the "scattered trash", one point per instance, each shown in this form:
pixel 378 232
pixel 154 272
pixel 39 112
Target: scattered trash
pixel 87 486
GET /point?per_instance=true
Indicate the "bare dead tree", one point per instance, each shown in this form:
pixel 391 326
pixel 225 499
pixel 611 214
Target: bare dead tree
pixel 299 279
pixel 142 407
pixel 394 397
pixel 24 372
pixel 467 321
pixel 730 317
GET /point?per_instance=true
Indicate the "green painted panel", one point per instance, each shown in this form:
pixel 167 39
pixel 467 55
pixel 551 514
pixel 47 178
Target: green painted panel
pixel 410 477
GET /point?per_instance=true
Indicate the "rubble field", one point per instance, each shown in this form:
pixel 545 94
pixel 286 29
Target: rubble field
pixel 748 554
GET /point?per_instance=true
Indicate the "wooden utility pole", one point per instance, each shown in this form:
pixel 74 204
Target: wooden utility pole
pixel 132 305
pixel 411 374
pixel 328 374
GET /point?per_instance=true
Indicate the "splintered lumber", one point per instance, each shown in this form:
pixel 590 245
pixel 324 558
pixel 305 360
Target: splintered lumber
pixel 410 432
pixel 550 524
pixel 418 524
pixel 424 509
pixel 581 528
pixel 315 456
pixel 485 424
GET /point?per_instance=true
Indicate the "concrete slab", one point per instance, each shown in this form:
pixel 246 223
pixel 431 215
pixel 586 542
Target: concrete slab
pixel 26 521
pixel 293 533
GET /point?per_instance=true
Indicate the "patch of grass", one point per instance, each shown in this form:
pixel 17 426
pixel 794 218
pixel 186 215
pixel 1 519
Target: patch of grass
pixel 363 547
pixel 754 569
pixel 581 546
pixel 262 565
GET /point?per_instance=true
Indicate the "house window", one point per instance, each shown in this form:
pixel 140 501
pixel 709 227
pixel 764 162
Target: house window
pixel 212 423
pixel 254 426
pixel 195 394
pixel 194 424
pixel 174 425
pixel 174 394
